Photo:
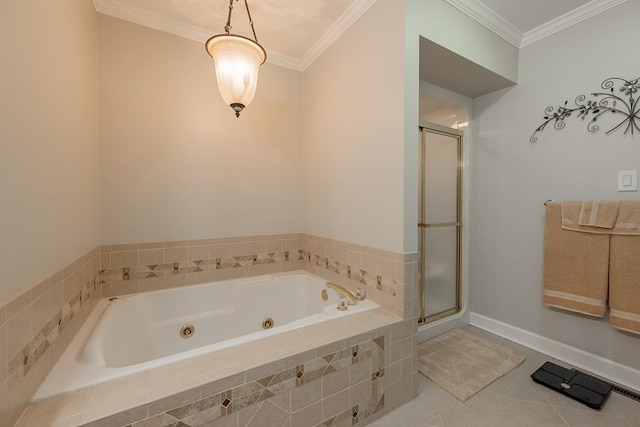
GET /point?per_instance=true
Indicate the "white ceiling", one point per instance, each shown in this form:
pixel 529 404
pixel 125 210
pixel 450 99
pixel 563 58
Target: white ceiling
pixel 295 33
pixel 527 15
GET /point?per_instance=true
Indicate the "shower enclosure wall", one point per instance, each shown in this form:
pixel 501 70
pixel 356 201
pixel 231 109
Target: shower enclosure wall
pixel 440 221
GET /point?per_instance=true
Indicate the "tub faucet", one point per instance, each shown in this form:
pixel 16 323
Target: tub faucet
pixel 351 299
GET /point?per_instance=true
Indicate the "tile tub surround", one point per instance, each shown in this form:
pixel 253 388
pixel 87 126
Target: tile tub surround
pixel 345 372
pixel 141 267
pixel 386 276
pixel 389 278
pixel 36 327
pixel 150 266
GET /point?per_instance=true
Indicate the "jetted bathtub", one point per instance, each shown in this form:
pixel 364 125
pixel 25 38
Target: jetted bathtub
pixel 130 334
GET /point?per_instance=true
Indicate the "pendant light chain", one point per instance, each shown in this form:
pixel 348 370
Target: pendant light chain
pixel 227 27
pixel 251 21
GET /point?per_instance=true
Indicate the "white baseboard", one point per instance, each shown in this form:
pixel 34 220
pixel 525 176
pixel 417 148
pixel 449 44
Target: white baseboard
pixel 597 365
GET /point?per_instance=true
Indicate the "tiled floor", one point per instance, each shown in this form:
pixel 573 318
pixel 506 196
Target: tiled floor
pixel 513 400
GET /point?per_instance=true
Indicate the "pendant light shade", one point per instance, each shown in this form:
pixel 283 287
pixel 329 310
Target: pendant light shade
pixel 237 60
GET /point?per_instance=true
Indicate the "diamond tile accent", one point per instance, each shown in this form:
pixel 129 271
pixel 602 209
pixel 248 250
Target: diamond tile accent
pixel 275 386
pixel 43 340
pixel 379 342
pixel 154 271
pixel 351 272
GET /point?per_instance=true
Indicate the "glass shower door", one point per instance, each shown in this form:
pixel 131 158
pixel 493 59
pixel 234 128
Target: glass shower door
pixel 440 221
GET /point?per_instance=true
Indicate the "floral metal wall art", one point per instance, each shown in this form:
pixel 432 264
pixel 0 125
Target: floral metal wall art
pixel 617 98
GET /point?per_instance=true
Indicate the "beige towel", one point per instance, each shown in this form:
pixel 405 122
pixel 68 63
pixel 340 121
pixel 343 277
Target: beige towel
pixel 628 221
pixel 575 266
pixel 599 214
pixel 624 264
pixel 589 217
pixel 624 283
pixel 602 217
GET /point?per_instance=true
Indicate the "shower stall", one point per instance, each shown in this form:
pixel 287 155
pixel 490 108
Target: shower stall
pixel 440 221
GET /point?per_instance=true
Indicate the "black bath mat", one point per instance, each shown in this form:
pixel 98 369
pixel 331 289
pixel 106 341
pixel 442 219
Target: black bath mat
pixel 573 384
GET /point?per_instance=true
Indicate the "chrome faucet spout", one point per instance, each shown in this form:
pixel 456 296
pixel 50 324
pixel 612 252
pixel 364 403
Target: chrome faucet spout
pixel 351 299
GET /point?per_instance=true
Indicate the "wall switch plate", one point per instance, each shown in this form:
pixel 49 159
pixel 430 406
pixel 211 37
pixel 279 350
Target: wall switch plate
pixel 628 180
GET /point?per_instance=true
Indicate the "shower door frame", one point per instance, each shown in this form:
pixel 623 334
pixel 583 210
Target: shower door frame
pixel 422 224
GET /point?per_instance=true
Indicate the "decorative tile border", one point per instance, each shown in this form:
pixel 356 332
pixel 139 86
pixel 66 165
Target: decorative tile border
pixel 371 280
pixel 38 325
pixel 125 268
pixel 281 387
pixel 153 271
pixel 142 267
pixel 388 276
pixel 22 363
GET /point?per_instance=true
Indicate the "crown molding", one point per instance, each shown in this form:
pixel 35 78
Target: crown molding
pixel 568 19
pixel 348 18
pixel 277 58
pixel 121 10
pixel 485 16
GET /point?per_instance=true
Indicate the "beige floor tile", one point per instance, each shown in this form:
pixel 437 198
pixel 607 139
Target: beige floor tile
pixel 513 400
pixel 435 422
pixel 526 414
pixel 516 385
pixel 628 409
pixel 590 418
pixel 432 398
pixel 478 411
pixel 409 414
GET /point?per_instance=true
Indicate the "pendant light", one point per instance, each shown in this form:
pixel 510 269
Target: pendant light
pixel 237 60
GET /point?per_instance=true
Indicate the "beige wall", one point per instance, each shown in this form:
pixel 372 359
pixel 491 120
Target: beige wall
pixel 513 178
pixel 175 164
pixel 443 24
pixel 341 166
pixel 48 139
pixel 353 143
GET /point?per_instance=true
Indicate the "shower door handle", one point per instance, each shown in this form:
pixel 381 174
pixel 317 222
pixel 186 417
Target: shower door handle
pixel 442 224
